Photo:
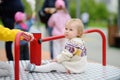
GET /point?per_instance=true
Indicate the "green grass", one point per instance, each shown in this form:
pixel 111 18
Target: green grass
pixel 98 24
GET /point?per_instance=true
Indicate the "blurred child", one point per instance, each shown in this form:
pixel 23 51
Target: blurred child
pixel 73 58
pixel 9 35
pixel 45 13
pixel 57 22
pixel 23 24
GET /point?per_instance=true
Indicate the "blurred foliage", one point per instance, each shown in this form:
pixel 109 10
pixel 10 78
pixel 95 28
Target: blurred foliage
pixel 97 11
pixel 72 9
pixel 98 24
pixel 39 4
pixel 27 6
pixel 28 9
pixel 112 20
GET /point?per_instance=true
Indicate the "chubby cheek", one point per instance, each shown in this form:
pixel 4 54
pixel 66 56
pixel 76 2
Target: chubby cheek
pixel 68 36
pixel 72 35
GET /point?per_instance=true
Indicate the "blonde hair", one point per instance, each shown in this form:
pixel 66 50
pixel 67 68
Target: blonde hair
pixel 78 23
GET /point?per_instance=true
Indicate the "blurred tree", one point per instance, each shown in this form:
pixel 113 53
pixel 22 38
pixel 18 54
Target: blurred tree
pixel 97 11
pixel 72 8
pixel 28 9
pixel 38 6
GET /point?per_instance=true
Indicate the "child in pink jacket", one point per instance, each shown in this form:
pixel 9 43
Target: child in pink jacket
pixel 57 22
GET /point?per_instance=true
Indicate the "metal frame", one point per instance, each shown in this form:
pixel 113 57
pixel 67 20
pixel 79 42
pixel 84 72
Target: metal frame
pixel 17 48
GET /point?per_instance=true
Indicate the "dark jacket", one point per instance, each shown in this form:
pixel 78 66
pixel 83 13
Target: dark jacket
pixel 8 8
pixel 44 17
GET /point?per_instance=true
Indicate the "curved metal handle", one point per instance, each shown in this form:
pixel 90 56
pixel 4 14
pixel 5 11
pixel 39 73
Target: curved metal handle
pixel 103 43
pixel 17 55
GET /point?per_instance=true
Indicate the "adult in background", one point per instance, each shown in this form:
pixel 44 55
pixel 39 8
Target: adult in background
pixel 57 22
pixel 8 8
pixel 45 13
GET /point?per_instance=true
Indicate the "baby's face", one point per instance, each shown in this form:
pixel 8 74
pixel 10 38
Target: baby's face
pixel 71 31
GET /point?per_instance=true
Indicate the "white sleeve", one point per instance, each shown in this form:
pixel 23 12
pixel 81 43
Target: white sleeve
pixel 64 56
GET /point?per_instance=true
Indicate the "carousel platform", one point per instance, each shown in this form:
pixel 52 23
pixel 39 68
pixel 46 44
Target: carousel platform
pixel 95 71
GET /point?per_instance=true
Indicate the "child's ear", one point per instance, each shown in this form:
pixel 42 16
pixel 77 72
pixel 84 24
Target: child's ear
pixel 80 34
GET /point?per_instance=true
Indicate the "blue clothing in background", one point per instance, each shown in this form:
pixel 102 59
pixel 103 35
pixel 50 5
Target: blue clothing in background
pixel 24 49
pixel 29 23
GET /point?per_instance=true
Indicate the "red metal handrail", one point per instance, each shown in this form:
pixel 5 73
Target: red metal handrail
pixel 103 43
pixel 17 55
pixel 52 38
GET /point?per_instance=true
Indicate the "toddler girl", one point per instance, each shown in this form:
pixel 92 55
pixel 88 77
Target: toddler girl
pixel 73 58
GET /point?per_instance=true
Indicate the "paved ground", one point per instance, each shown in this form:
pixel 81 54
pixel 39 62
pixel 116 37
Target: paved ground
pixel 93 43
pixel 94 49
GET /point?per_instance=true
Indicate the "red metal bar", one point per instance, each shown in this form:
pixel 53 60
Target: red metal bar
pixel 87 31
pixel 36 57
pixel 103 44
pixel 17 55
pixel 35 50
pixel 52 38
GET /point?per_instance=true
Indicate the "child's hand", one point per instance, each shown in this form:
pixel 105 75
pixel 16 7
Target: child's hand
pixel 28 36
pixel 68 72
pixel 54 60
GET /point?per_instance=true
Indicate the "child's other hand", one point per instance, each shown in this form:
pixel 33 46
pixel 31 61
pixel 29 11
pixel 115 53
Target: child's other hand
pixel 28 36
pixel 68 72
pixel 54 60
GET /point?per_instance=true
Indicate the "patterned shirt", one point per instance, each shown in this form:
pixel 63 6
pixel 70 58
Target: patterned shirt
pixel 71 45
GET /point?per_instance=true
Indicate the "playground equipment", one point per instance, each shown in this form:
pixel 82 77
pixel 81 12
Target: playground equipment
pixel 95 71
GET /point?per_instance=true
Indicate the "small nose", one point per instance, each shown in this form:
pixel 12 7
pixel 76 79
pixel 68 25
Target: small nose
pixel 66 30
